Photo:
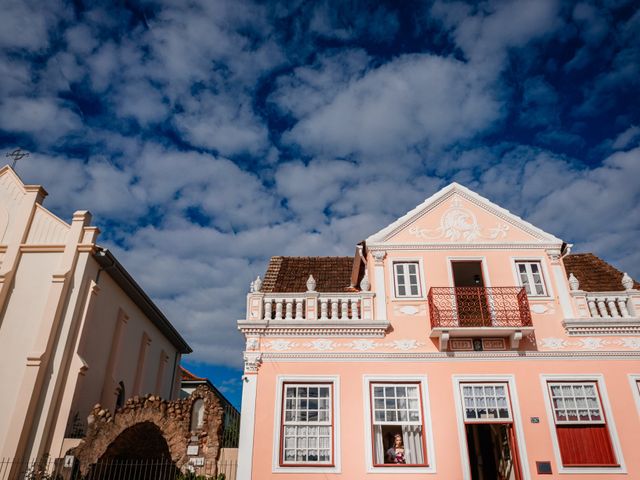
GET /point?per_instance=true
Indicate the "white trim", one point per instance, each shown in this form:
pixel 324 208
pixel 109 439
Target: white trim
pixel 488 356
pixel 277 417
pixel 426 415
pixel 390 247
pixel 441 196
pixel 563 292
pixel 635 389
pixel 469 258
pixel 380 312
pixel 515 413
pixel 422 284
pixel 613 434
pixel 247 427
pixel 546 277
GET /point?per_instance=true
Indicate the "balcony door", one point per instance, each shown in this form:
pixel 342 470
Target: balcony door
pixel 471 298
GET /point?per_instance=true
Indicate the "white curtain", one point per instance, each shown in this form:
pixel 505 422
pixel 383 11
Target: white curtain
pixel 412 438
pixel 378 444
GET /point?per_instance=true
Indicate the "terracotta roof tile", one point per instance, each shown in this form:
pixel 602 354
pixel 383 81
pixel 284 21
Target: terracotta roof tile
pixel 594 274
pixel 188 376
pixel 290 274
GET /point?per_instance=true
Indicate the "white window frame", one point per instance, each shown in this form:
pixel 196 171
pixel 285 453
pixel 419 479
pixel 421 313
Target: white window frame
pixel 545 379
pixel 546 278
pixel 422 287
pixel 515 415
pixel 634 381
pixel 278 422
pixel 601 421
pixel 483 384
pixel 427 433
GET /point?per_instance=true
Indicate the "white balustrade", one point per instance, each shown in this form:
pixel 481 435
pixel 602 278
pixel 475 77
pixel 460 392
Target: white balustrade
pixel 608 306
pixel 330 307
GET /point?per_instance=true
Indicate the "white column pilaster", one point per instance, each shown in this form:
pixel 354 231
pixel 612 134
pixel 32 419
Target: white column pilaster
pixel 380 285
pixel 252 362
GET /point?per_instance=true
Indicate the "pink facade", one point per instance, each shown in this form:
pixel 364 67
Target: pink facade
pixel 75 328
pixel 457 345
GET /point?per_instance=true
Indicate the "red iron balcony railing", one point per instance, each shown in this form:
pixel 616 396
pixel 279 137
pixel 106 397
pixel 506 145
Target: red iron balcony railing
pixel 451 307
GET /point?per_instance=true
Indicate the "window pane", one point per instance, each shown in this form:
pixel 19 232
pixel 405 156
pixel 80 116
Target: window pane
pixel 485 401
pixel 308 404
pixel 575 402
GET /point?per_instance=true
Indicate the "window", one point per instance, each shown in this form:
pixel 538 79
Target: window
pixel 485 401
pixel 398 430
pixel 307 427
pixel 580 422
pixel 530 275
pixel 407 281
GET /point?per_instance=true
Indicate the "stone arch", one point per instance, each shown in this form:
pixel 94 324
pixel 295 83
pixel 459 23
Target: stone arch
pixel 169 421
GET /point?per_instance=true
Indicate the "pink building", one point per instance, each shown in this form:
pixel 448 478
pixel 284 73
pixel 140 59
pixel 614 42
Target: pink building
pixel 459 342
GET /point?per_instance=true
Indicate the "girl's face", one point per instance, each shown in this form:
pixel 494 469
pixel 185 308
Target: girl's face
pixel 398 441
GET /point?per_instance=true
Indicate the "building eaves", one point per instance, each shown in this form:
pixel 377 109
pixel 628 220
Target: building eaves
pixel 119 274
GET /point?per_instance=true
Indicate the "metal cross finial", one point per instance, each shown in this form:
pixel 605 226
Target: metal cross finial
pixel 17 154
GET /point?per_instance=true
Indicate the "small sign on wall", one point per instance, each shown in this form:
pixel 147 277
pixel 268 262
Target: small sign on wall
pixel 192 450
pixel 544 468
pixel 68 461
pixel 198 462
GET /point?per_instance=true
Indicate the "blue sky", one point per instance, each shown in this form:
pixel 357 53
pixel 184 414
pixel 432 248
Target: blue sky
pixel 208 135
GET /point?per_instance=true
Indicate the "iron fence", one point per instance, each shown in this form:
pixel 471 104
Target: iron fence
pixel 479 307
pixel 116 469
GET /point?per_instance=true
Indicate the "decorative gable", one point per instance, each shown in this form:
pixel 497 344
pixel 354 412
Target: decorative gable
pixel 456 215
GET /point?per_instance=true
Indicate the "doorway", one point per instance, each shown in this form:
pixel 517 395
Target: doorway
pixel 492 451
pixel 472 304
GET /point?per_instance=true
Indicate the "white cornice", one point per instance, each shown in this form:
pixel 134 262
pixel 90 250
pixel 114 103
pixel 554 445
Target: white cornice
pixel 600 326
pixel 446 356
pixel 461 246
pixel 314 328
pixel 444 194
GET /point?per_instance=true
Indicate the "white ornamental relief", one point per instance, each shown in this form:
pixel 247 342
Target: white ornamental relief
pixel 281 345
pixel 362 345
pixel 592 343
pixel 322 345
pixel 553 343
pixel 459 224
pixel 633 343
pixel 404 344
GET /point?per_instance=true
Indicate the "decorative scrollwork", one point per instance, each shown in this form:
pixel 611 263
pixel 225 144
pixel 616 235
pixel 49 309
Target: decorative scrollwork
pixel 479 307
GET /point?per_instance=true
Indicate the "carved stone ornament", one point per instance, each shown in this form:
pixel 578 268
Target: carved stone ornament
pixel 378 256
pixel 627 282
pixel 252 343
pixel 554 255
pixel 459 224
pixel 574 283
pixel 256 285
pixel 311 284
pixel 365 285
pixel 252 361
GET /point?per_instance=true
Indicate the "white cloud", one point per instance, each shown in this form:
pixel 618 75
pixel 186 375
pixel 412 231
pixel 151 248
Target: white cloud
pixel 415 99
pixel 45 118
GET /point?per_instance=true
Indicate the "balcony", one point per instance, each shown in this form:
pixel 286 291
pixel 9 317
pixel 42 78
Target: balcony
pixel 312 314
pixel 479 312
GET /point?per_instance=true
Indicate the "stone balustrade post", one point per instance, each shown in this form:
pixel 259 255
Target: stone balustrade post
pixel 299 309
pixel 344 309
pixel 311 306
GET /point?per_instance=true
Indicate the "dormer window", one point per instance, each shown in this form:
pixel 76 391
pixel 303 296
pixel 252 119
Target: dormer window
pixel 407 281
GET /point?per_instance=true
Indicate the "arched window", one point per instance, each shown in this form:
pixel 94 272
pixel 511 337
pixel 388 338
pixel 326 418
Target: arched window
pixel 197 415
pixel 121 397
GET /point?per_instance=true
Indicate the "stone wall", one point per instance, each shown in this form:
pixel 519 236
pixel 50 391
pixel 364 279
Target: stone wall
pixel 173 422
